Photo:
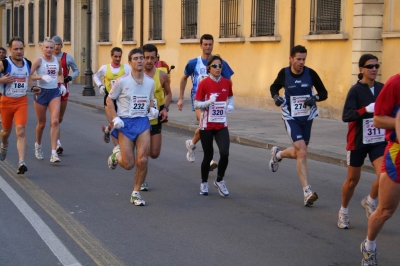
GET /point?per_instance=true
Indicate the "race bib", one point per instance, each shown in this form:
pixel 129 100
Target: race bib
pixel 155 106
pixel 297 106
pixel 139 105
pixel 19 86
pixel 217 113
pixel 52 70
pixel 372 134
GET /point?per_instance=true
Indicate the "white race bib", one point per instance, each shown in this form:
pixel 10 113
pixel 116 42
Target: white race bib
pixel 372 134
pixel 155 106
pixel 217 113
pixel 297 106
pixel 139 105
pixel 19 86
pixel 52 70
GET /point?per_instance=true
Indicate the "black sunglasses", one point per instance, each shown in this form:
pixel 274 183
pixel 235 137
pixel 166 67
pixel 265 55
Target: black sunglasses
pixel 216 66
pixel 371 66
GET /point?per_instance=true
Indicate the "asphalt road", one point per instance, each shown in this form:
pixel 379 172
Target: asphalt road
pixel 78 211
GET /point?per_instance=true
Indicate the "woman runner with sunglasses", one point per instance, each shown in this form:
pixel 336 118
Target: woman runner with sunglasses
pixel 362 138
pixel 215 98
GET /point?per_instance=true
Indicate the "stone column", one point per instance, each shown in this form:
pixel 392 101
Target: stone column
pixel 367 32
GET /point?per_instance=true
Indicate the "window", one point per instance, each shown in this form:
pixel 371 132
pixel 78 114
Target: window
pixel 53 18
pixel 67 20
pixel 155 20
pixel 104 18
pixel 21 21
pixel 229 15
pixel 127 20
pixel 41 20
pixel 325 16
pixel 15 22
pixel 262 18
pixel 30 23
pixel 189 19
pixel 8 30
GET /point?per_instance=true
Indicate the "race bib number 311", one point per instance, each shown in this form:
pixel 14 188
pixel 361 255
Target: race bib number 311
pixel 372 134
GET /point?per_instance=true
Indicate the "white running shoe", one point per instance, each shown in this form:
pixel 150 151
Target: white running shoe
pixel 144 186
pixel 369 257
pixel 213 165
pixel 137 200
pixel 112 160
pixel 369 208
pixel 54 158
pixel 223 191
pixel 190 156
pixel 344 221
pixel 38 151
pixel 310 197
pixel 274 162
pixel 204 188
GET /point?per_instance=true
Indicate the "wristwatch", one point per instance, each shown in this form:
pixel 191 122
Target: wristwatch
pixel 166 108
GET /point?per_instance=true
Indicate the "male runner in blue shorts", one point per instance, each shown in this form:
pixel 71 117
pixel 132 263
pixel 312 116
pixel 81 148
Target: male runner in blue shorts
pixel 134 95
pixel 298 111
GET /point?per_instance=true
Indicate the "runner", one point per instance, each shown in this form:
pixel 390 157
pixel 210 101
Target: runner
pixel 15 79
pixel 386 116
pixel 134 95
pixel 161 101
pixel 67 63
pixel 362 138
pixel 214 98
pixel 196 69
pixel 110 73
pixel 50 80
pixel 298 111
pixel 3 55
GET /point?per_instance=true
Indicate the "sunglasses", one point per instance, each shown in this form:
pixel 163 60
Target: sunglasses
pixel 216 66
pixel 371 66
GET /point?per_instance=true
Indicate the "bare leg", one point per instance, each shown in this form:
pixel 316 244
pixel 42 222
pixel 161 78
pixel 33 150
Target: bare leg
pixel 21 142
pixel 353 176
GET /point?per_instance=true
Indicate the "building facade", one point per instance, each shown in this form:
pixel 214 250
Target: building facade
pixel 253 36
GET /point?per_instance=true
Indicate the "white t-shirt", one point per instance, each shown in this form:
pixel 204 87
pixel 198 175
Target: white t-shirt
pixel 133 99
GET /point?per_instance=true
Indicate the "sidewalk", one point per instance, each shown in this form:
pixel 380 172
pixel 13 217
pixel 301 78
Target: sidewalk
pixel 254 127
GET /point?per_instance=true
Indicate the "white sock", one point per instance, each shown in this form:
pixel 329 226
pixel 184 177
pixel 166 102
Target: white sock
pixel 58 142
pixel 307 190
pixel 344 210
pixel 53 152
pixel 106 130
pixel 278 155
pixel 371 200
pixel 135 193
pixel 370 245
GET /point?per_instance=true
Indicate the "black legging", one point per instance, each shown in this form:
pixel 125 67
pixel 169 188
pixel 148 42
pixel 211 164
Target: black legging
pixel 222 140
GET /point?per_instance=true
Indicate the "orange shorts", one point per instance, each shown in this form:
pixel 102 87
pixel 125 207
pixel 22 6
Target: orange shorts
pixel 14 109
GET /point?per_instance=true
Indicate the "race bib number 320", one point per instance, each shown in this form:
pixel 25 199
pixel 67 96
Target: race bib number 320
pixel 139 105
pixel 217 113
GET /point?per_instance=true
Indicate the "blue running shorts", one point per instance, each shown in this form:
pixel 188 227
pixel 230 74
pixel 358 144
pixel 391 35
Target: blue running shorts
pixel 299 130
pixel 133 127
pixel 46 96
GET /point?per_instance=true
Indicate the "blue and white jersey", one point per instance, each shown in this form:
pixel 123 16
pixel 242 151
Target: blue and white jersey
pixel 20 74
pixel 297 90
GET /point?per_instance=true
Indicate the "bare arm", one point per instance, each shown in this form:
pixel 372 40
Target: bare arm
pixel 60 73
pixel 168 94
pixel 182 87
pixel 383 121
pixel 111 108
pixel 35 65
pixel 5 79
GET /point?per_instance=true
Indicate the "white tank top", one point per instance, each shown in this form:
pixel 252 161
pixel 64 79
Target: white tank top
pixel 50 69
pixel 19 87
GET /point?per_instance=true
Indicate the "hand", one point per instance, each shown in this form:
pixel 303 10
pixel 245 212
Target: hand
pixel 67 79
pixel 63 90
pixel 229 109
pixel 370 108
pixel 153 112
pixel 310 101
pixel 7 79
pixel 213 97
pixel 180 104
pixel 36 90
pixel 118 123
pixel 278 100
pixel 164 115
pixel 101 89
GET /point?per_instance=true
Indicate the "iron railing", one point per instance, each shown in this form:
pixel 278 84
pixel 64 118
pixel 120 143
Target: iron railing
pixel 229 16
pixel 21 20
pixel 127 20
pixel 325 16
pixel 104 20
pixel 41 20
pixel 67 20
pixel 189 19
pixel 31 25
pixel 262 18
pixel 155 20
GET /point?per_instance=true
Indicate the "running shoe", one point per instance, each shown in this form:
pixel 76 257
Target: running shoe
pixel 54 158
pixel 106 136
pixel 369 208
pixel 213 165
pixel 310 198
pixel 144 187
pixel 38 152
pixel 274 162
pixel 137 200
pixel 204 188
pixel 3 153
pixel 369 256
pixel 59 150
pixel 22 168
pixel 223 191
pixel 112 160
pixel 190 156
pixel 343 221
